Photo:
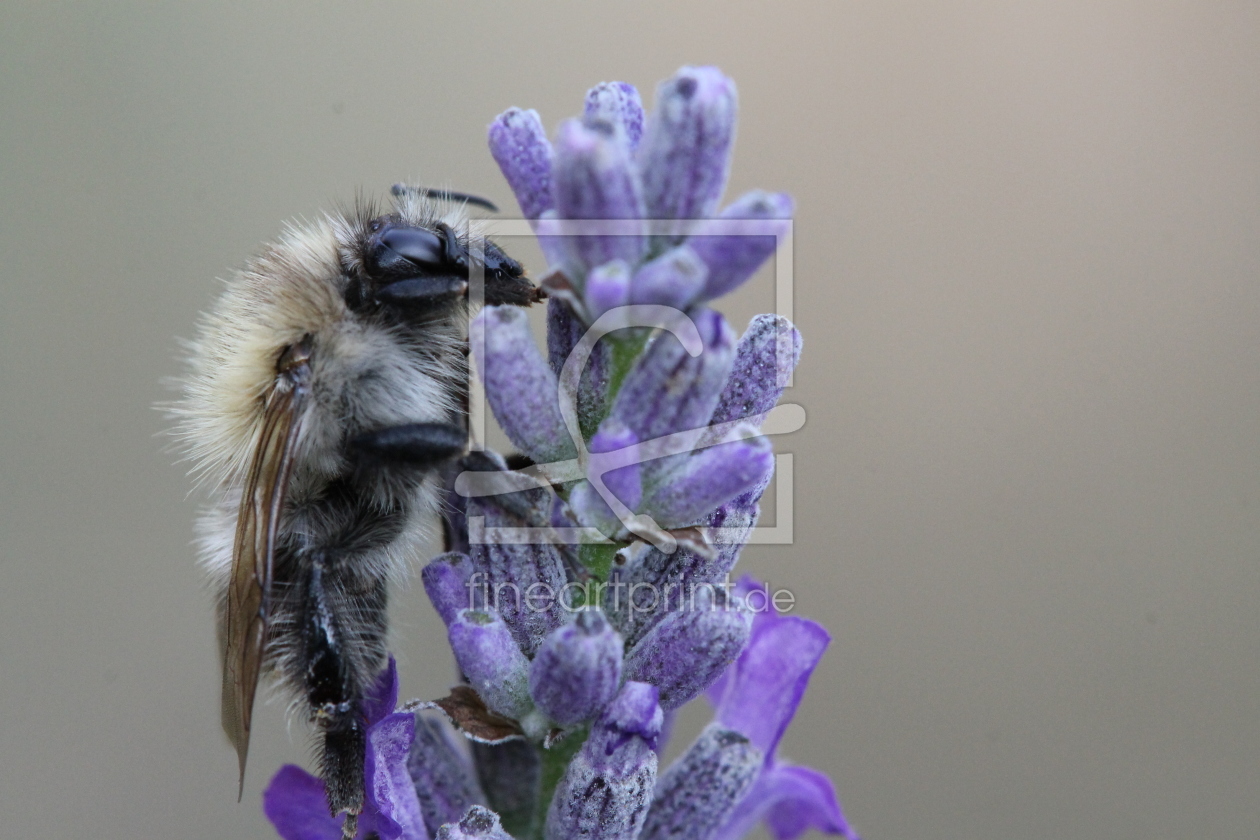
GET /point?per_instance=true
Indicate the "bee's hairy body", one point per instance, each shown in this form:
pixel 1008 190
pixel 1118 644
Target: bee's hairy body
pixel 326 388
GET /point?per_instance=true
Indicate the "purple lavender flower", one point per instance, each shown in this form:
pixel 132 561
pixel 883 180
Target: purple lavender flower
pixel 758 697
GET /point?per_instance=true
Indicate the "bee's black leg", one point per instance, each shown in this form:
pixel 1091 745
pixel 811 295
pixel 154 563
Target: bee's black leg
pixel 339 605
pixel 414 445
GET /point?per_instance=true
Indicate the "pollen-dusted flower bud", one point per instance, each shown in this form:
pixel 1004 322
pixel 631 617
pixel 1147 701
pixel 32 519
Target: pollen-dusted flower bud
pixel 478 824
pixel 675 278
pixel 445 784
pixel 686 149
pixel 577 669
pixel 519 145
pixel 742 238
pixel 521 388
pixel 698 484
pixel 623 482
pixel 617 103
pixel 596 180
pixel 607 287
pixel 698 791
pixel 607 789
pixel 688 649
pixel 668 390
pixel 765 357
pixel 450 584
pixel 494 665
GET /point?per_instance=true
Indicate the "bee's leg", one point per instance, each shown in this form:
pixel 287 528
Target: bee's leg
pixel 340 607
pixel 414 446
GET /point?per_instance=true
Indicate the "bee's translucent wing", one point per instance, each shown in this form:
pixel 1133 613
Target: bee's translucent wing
pixel 262 500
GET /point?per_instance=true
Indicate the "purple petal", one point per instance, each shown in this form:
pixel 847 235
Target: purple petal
pixel 686 149
pixel 521 388
pixel 769 679
pixel 695 795
pixel 448 581
pixel 297 806
pixel 389 785
pixel 675 279
pixel 733 249
pixel 382 698
pixel 701 633
pixel 444 782
pixel 791 800
pixel 624 482
pixel 764 359
pixel 617 103
pixel 668 390
pixel 519 144
pixel 489 657
pixel 698 484
pixel 595 180
pixel 577 669
pixel 478 824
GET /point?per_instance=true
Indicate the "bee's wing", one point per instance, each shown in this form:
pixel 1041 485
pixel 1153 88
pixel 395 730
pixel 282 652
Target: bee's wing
pixel 249 587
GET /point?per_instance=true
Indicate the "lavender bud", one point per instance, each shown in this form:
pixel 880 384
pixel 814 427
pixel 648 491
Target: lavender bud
pixel 519 145
pixel 577 669
pixel 624 482
pixel 617 103
pixel 478 824
pixel 733 256
pixel 448 580
pixel 607 287
pixel 669 390
pixel 687 650
pixel 494 665
pixel 702 482
pixel 764 359
pixel 522 390
pixel 511 774
pixel 686 149
pixel 595 180
pixel 675 278
pixel 607 789
pixel 444 782
pixel 696 794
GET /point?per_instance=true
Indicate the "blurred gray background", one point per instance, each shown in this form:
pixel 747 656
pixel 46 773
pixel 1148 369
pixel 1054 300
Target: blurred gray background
pixel 1026 271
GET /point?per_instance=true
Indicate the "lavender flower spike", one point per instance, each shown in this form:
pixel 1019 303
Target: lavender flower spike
pixel 576 671
pixel 595 180
pixel 617 103
pixel 607 789
pixel 489 657
pixel 686 151
pixel 519 144
pixel 478 824
pixel 735 244
pixel 520 386
pixel 697 792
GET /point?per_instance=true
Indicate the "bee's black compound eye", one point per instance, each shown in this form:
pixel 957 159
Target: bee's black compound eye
pixel 402 250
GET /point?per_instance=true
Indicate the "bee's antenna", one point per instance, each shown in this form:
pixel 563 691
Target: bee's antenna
pixel 399 190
